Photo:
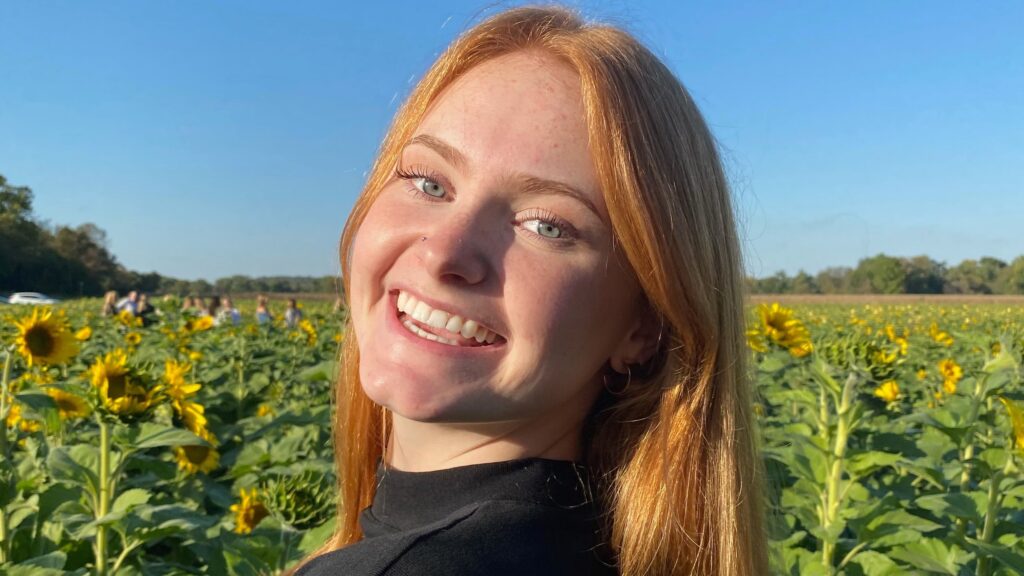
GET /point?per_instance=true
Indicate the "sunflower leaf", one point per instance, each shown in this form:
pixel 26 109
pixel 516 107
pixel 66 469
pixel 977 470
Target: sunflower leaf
pixel 75 465
pixel 154 435
pixel 130 499
pixel 39 402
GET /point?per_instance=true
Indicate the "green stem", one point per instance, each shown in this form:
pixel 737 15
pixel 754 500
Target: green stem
pixel 241 391
pixel 4 408
pixel 104 504
pixel 833 494
pixel 3 452
pixel 972 417
pixel 991 513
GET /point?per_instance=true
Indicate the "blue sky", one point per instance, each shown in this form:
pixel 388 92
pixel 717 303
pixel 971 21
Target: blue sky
pixel 219 138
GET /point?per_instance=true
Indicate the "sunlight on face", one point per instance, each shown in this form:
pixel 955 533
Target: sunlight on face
pixel 484 285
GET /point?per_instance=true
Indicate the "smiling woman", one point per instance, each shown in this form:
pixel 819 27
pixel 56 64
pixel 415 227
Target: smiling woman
pixel 544 367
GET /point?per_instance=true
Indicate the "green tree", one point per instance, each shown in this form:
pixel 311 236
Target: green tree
pixel 880 274
pixel 1011 278
pixel 923 276
pixel 804 283
pixel 834 280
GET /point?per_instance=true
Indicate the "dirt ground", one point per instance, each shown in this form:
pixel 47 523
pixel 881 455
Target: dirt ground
pixel 791 299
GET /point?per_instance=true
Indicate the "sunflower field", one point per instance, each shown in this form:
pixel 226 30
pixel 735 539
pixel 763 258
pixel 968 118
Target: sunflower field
pixel 893 439
pixel 180 447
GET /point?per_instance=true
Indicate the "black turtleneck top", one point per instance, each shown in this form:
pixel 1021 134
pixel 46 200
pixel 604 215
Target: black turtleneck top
pixel 531 517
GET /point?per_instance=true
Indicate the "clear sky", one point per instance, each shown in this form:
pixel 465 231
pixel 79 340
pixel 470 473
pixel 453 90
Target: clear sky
pixel 231 137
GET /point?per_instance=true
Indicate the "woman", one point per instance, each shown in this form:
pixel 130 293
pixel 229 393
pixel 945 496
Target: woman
pixel 544 368
pixel 292 313
pixel 109 303
pixel 263 315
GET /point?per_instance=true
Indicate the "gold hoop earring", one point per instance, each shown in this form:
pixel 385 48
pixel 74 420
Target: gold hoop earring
pixel 629 379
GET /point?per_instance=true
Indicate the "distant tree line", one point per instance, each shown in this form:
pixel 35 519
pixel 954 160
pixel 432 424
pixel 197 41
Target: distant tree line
pixel 883 274
pixel 66 261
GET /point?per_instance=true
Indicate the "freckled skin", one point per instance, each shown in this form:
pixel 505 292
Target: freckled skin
pixel 563 308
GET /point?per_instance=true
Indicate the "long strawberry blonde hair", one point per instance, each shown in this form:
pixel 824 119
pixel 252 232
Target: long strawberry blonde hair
pixel 674 451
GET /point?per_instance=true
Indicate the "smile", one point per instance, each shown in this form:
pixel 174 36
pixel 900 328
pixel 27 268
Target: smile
pixel 441 326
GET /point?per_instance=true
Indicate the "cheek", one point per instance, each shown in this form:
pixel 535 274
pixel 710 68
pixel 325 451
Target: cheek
pixel 569 314
pixel 374 250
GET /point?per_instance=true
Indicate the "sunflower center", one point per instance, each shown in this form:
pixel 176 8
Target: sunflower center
pixel 40 341
pixel 196 454
pixel 117 386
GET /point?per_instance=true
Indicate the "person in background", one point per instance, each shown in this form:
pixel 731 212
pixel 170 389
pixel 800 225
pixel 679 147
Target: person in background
pixel 292 314
pixel 145 311
pixel 130 303
pixel 213 307
pixel 109 303
pixel 263 315
pixel 228 314
pixel 199 306
pixel 188 304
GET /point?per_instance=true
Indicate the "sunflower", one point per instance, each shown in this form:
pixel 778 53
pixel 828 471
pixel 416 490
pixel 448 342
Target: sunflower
pixel 264 410
pixel 126 318
pixel 951 374
pixel 43 339
pixel 179 391
pixel 198 458
pixel 199 324
pixel 133 338
pixel 307 327
pixel 249 511
pixel 939 336
pixel 15 419
pixel 780 326
pixel 756 340
pixel 68 405
pixel 888 391
pixel 1016 421
pixel 122 390
pixel 83 334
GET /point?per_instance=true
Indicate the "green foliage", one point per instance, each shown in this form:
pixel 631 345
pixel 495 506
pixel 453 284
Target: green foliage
pixel 884 274
pixel 104 494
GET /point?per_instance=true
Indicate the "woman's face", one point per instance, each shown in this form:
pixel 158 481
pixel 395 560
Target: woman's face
pixel 484 286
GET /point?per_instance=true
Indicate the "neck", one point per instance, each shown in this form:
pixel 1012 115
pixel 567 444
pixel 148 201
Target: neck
pixel 427 446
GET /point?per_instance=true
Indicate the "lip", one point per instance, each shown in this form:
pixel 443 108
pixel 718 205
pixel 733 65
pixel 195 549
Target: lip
pixel 395 328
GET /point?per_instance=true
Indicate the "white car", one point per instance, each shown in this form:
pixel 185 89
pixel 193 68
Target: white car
pixel 31 298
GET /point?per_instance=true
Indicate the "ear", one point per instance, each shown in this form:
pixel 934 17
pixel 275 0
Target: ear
pixel 639 343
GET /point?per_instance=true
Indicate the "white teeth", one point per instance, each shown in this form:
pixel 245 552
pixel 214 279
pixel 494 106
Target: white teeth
pixel 469 328
pixel 422 312
pixel 454 324
pixel 424 334
pixel 438 319
pixel 410 304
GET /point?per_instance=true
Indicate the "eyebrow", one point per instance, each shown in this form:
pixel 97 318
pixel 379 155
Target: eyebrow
pixel 446 150
pixel 532 184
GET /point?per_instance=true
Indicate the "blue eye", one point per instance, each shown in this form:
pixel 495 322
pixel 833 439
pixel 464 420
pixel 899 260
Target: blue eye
pixel 429 187
pixel 543 228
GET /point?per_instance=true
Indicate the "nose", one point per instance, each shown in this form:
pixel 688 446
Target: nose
pixel 455 251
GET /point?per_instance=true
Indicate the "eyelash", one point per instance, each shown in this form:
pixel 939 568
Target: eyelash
pixel 569 232
pixel 414 172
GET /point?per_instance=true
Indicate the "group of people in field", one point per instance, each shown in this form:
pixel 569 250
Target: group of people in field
pixel 221 309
